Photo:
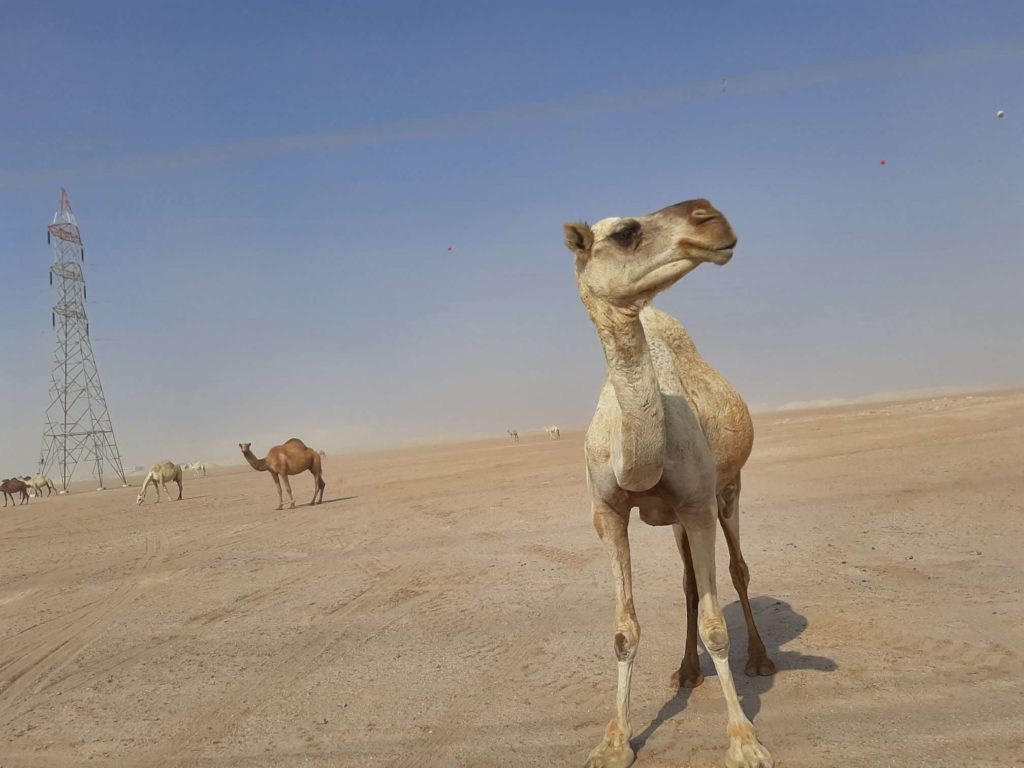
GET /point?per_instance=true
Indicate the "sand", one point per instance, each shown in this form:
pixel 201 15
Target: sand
pixel 452 606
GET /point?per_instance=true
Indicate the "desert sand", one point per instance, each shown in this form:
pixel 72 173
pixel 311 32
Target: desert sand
pixel 452 606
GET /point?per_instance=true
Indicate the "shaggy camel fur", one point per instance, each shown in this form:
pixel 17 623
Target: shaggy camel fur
pixel 292 458
pixel 37 483
pixel 12 487
pixel 645 446
pixel 160 475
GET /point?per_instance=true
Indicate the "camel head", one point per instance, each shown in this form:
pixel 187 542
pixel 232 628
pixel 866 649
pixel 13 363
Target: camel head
pixel 245 447
pixel 139 499
pixel 626 261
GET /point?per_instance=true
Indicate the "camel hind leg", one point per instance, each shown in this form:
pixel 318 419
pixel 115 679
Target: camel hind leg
pixel 318 477
pixel 758 662
pixel 688 675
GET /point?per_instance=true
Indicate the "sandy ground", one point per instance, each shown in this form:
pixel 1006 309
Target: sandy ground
pixel 452 606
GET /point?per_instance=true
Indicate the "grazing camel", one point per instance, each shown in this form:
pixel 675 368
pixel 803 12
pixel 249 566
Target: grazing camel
pixel 553 432
pixel 12 487
pixel 37 483
pixel 292 458
pixel 513 434
pixel 646 446
pixel 161 474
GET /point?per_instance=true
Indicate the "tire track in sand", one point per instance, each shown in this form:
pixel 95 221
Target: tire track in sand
pixel 385 600
pixel 46 656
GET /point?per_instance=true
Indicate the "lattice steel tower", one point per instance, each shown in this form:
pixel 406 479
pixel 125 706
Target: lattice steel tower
pixel 78 427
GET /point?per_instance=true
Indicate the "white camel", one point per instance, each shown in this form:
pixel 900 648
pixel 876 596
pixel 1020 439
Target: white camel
pixel 196 466
pixel 513 434
pixel 553 432
pixel 37 483
pixel 161 474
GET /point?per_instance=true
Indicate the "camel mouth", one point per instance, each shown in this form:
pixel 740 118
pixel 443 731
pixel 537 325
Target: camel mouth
pixel 720 256
pixel 717 254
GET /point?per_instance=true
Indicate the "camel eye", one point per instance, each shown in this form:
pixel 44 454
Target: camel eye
pixel 627 233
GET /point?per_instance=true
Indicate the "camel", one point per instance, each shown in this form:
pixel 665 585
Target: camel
pixel 196 466
pixel 553 432
pixel 292 458
pixel 161 474
pixel 513 434
pixel 37 483
pixel 323 455
pixel 12 487
pixel 647 447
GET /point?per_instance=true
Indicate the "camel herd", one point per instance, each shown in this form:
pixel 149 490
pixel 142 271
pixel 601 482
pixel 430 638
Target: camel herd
pixel 670 437
pixel 552 431
pixel 27 486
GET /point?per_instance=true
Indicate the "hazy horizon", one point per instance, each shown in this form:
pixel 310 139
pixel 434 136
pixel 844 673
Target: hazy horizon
pixel 344 224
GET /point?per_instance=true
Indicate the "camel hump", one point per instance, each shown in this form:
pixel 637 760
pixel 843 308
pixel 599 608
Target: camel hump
pixel 296 442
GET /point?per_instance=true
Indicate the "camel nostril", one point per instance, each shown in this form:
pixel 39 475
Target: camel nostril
pixel 700 215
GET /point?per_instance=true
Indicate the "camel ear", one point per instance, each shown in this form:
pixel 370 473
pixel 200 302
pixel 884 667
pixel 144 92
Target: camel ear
pixel 579 237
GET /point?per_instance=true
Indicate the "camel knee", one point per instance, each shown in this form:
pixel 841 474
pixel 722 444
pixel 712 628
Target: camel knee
pixel 714 635
pixel 627 640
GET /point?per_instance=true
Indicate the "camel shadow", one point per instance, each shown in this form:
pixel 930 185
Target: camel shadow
pixel 340 498
pixel 778 624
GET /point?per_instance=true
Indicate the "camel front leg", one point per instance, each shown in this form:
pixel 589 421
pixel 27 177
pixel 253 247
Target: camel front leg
pixel 745 751
pixel 180 489
pixel 288 487
pixel 615 750
pixel 688 675
pixel 758 662
pixel 280 498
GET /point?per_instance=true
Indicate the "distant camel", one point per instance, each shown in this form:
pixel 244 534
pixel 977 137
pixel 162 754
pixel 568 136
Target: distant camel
pixel 161 474
pixel 553 432
pixel 196 466
pixel 514 434
pixel 37 483
pixel 323 455
pixel 292 458
pixel 12 487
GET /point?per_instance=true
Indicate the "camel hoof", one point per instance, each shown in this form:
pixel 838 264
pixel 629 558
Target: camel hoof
pixel 748 752
pixel 292 505
pixel 759 666
pixel 687 677
pixel 280 507
pixel 611 756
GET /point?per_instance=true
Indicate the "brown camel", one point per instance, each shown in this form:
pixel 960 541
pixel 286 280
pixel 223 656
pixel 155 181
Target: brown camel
pixel 12 487
pixel 292 458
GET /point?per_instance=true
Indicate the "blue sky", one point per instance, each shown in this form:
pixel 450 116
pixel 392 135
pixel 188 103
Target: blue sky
pixel 268 193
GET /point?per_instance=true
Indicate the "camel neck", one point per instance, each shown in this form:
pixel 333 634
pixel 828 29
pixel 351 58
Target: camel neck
pixel 257 464
pixel 638 435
